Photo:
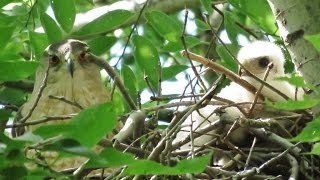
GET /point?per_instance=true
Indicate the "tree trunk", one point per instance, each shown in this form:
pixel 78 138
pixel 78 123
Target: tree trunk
pixel 296 18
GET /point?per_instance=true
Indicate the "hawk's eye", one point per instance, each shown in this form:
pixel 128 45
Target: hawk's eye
pixel 82 56
pixel 54 60
pixel 263 62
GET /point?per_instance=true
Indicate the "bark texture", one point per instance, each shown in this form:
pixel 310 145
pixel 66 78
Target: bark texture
pixel 296 18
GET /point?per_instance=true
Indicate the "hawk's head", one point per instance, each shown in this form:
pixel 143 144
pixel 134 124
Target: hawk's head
pixel 71 76
pixel 256 57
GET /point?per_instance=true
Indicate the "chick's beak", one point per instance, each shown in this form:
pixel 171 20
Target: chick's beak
pixel 242 72
pixel 70 66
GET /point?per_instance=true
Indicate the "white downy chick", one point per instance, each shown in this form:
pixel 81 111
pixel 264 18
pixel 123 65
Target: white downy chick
pixel 255 57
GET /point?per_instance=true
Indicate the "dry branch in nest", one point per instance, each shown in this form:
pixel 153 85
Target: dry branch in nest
pixel 266 152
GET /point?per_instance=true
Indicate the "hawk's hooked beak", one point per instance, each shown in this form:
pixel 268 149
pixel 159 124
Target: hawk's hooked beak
pixel 70 65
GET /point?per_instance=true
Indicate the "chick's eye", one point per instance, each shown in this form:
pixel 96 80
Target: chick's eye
pixel 54 60
pixel 264 62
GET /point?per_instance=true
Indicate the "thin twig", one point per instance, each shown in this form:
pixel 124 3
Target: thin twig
pixel 114 75
pixel 63 99
pixel 173 128
pixel 39 121
pixel 220 69
pixel 146 79
pixel 249 31
pixel 246 166
pixel 132 30
pixel 185 48
pixel 42 87
pixel 218 29
pixel 256 97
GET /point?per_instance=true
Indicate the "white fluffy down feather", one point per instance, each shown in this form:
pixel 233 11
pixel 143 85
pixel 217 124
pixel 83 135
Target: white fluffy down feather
pixel 255 57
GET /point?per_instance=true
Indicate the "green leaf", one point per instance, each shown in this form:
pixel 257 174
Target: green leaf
pixel 316 149
pixel 39 42
pixel 166 26
pixel 6 33
pixel 297 81
pixel 4 2
pixel 147 58
pixel 51 28
pixel 39 174
pixel 314 40
pixel 4 114
pixel 12 96
pixel 100 45
pixel 16 70
pixel 14 172
pixel 177 46
pixel 65 13
pixel 231 27
pixel 92 124
pixel 114 158
pixel 11 152
pixel 129 80
pixel 202 25
pixel 6 20
pixel 147 167
pixel 291 105
pixel 71 146
pixel 259 11
pixel 311 133
pixel 51 130
pixel 207 6
pixel 171 71
pixel 226 59
pixel 106 22
pixel 12 50
pixel 29 137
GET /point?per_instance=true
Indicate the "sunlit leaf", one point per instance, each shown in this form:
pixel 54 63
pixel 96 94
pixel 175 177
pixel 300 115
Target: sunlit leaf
pixel 100 45
pixel 164 25
pixel 231 27
pixel 316 149
pixel 202 25
pixel 207 5
pixel 291 105
pixel 147 58
pixel 314 39
pixel 226 59
pixel 106 22
pixel 38 42
pixel 171 71
pixel 311 133
pixel 92 124
pixel 177 46
pixel 129 81
pixel 297 81
pixel 51 28
pixel 65 13
pixel 259 11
